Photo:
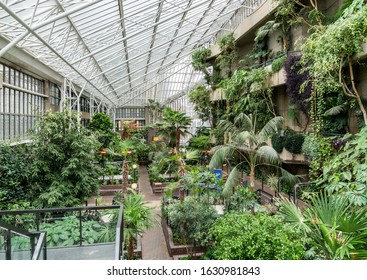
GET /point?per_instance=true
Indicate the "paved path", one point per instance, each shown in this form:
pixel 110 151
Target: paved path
pixel 153 242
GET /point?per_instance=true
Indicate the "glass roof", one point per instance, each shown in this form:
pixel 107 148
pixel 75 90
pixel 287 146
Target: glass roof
pixel 122 51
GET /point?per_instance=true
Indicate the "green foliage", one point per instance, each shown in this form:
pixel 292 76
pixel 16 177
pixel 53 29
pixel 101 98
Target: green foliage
pixel 14 171
pixel 278 63
pixel 318 150
pixel 103 127
pixel 200 62
pixel 204 108
pixel 293 141
pixel 63 171
pixel 173 124
pixel 242 200
pixel 65 232
pixel 334 225
pixel 138 216
pixel 327 53
pixel 191 220
pixel 200 142
pixel 346 173
pixel 228 57
pixel 248 92
pixel 254 237
pixel 277 141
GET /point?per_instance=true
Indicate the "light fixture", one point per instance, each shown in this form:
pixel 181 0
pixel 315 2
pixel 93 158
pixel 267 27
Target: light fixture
pixel 135 166
pixel 134 186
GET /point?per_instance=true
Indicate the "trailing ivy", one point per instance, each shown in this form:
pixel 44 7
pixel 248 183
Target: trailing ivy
pixel 248 92
pixel 327 57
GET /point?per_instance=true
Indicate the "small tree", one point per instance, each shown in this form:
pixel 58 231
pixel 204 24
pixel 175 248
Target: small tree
pixel 192 220
pixel 103 127
pixel 63 171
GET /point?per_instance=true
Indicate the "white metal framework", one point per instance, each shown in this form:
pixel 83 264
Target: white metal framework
pixel 120 51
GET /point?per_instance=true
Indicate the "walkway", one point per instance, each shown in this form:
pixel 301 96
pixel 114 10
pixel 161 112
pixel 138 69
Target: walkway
pixel 153 242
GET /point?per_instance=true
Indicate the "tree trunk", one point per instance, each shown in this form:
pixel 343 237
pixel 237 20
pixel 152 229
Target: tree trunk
pixel 125 176
pixel 252 176
pixel 130 248
pixel 177 139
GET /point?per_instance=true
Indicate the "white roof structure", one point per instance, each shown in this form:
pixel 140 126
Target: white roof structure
pixel 122 51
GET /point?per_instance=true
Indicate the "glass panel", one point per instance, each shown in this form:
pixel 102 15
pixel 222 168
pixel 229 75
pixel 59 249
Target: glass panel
pixel 2 239
pixel 20 247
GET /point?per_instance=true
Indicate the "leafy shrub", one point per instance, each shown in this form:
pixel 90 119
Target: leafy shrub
pixel 277 141
pixel 191 220
pixel 278 63
pixel 346 173
pixel 102 125
pixel 14 171
pixel 254 237
pixel 200 143
pixel 293 141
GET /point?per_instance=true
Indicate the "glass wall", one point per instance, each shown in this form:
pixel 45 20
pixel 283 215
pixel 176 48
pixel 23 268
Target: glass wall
pixel 21 99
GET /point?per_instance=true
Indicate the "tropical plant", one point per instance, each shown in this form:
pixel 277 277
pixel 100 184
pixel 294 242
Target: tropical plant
pixel 200 62
pixel 228 57
pixel 200 97
pixel 293 141
pixel 346 173
pixel 102 125
pixel 173 124
pixel 191 220
pixel 200 142
pixel 63 172
pixel 250 146
pixel 254 237
pixel 14 170
pixel 334 225
pixel 137 218
pixel 241 201
pixel 155 110
pixel 327 55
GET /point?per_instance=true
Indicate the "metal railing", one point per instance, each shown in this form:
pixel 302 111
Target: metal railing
pixel 48 215
pixel 36 248
pixel 119 244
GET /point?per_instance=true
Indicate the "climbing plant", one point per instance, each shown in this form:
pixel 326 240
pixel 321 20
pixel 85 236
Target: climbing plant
pixel 327 56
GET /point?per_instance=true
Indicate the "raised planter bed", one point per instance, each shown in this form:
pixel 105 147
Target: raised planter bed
pixel 177 250
pixel 158 187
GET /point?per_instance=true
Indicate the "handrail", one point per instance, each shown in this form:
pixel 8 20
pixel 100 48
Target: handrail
pixel 35 250
pixel 15 229
pixel 119 235
pixel 46 210
pixel 41 243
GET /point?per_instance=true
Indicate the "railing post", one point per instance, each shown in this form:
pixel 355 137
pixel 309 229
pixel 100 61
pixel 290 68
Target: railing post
pixel 32 245
pixel 8 245
pixel 80 228
pixel 38 221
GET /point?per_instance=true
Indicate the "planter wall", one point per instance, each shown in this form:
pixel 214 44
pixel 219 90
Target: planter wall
pixel 174 250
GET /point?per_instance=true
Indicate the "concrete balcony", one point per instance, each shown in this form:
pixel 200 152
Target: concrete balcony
pixel 246 30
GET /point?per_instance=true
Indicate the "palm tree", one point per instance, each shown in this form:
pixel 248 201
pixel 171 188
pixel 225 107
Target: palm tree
pixel 336 227
pixel 180 158
pixel 250 145
pixel 137 217
pixel 173 124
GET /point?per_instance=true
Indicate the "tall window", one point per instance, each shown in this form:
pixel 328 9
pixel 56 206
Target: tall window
pixel 21 99
pixel 55 93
